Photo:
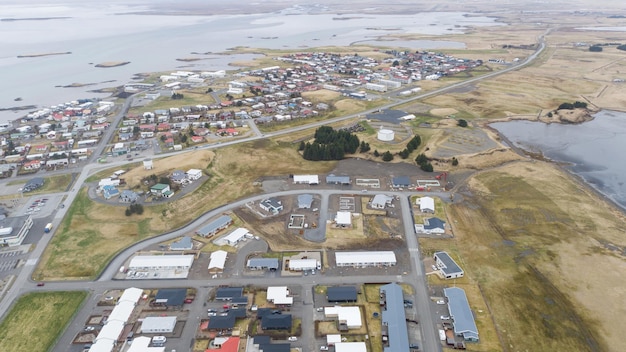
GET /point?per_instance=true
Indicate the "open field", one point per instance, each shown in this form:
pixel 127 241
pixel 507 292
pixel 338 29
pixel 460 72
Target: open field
pixel 37 319
pixel 521 232
pixel 52 184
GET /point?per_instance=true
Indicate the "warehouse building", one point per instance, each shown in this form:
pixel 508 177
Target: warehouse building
pixel 215 226
pixel 447 266
pixel 365 258
pixel 158 325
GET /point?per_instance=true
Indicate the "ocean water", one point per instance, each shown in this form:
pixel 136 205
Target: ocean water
pixel 593 150
pixel 97 32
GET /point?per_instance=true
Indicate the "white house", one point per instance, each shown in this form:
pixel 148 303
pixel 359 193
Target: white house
pixel 343 219
pixel 194 174
pixel 381 201
pixel 426 204
pixel 279 295
pixel 347 317
pixel 431 226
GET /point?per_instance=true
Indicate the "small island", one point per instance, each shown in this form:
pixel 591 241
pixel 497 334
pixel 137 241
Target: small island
pixel 112 64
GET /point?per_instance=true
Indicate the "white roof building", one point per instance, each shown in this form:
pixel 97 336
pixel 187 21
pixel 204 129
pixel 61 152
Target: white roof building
pixel 380 201
pixel 350 347
pixel 348 316
pixel 365 258
pixel 279 295
pixel 194 174
pixel 427 204
pixel 343 218
pixel 148 262
pixel 111 331
pixel 333 339
pixel 236 236
pixel 303 264
pixel 102 346
pixel 132 294
pixel 122 312
pixel 218 260
pixel 157 325
pixel 141 343
pixel 306 179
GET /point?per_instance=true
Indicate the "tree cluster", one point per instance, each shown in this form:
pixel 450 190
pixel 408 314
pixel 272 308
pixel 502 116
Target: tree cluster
pixel 134 209
pixel 177 96
pixel 330 145
pixel 424 163
pixel 413 144
pixel 461 123
pixel 595 48
pixel 570 106
pixel 622 47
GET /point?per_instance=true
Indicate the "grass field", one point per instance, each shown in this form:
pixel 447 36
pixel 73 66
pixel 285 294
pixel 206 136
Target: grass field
pixel 527 234
pixel 37 319
pixel 52 184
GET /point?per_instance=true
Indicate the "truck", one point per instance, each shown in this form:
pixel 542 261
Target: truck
pixel 48 228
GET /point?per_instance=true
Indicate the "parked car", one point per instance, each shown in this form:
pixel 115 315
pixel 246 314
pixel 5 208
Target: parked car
pixel 434 267
pixel 324 348
pixel 292 338
pixel 441 301
pixel 40 284
pixel 445 317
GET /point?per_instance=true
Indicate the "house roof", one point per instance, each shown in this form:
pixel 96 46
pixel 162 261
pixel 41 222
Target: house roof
pixel 341 294
pixel 178 175
pixel 305 200
pixel 159 187
pixel 236 235
pixel 227 344
pixel 279 295
pixel 225 293
pixel 272 203
pixel 426 203
pixel 185 243
pixel 152 324
pixel 171 297
pixel 401 181
pixel 460 312
pixel 275 347
pixel 213 226
pixel 269 263
pixel 218 259
pixel 354 347
pixel 381 200
pixel 450 266
pixel 343 218
pixel 222 322
pixel 394 318
pixel 365 257
pixel 434 223
pixel 276 322
pixel 344 180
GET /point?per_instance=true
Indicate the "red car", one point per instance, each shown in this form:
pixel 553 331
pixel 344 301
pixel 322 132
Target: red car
pixel 40 284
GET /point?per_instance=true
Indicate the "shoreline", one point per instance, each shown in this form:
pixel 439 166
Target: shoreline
pixel 577 179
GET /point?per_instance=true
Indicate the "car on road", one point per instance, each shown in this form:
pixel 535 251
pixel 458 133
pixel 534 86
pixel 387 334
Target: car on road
pixel 292 338
pixel 213 314
pixel 445 317
pixel 89 328
pixel 324 348
pixel 40 284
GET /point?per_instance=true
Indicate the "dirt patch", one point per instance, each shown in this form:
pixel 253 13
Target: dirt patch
pixel 442 112
pixel 196 159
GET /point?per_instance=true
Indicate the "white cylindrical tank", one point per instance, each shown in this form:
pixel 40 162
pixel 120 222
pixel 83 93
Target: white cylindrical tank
pixel 386 135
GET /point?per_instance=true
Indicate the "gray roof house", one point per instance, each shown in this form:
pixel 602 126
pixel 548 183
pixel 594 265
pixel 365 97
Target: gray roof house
pixel 448 267
pixel 272 205
pixel 305 201
pixel 401 181
pixel 341 294
pixel 178 176
pixel 184 244
pixel 263 264
pixel 337 180
pixel 33 184
pixel 394 319
pixel 461 314
pixel 128 196
pixel 215 226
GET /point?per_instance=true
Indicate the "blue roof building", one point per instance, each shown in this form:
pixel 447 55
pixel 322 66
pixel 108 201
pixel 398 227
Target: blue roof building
pixel 109 191
pixel 394 319
pixel 184 244
pixel 401 181
pixel 461 314
pixel 215 226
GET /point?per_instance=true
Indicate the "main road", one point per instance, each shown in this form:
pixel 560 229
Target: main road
pixel 23 284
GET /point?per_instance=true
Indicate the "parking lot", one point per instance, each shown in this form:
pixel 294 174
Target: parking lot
pixel 40 206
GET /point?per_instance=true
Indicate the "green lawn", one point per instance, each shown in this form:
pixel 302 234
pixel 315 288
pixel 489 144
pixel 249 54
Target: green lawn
pixel 37 320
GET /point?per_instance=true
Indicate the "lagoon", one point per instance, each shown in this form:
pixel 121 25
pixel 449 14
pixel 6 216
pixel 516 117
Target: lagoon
pixel 592 150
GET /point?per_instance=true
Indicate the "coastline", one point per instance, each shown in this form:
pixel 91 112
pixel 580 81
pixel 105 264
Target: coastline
pixel 583 185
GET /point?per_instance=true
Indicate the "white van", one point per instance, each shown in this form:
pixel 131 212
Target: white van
pixel 159 340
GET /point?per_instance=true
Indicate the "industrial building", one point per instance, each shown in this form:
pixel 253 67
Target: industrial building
pixel 461 314
pixel 158 325
pixel 447 266
pixel 365 258
pixel 393 319
pixel 13 230
pixel 215 226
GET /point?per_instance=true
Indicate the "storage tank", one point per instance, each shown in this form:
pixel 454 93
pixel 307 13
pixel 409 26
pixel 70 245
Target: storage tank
pixel 385 135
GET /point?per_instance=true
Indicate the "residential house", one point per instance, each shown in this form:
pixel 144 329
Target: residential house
pixel 431 226
pixel 272 205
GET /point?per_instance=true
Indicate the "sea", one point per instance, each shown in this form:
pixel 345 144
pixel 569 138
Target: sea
pixel 592 150
pixel 95 32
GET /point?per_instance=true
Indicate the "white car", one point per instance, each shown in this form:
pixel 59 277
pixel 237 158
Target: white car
pixel 441 301
pixel 292 338
pixel 323 348
pixel 445 317
pixel 434 267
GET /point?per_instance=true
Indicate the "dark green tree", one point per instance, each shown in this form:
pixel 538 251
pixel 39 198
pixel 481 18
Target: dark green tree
pixel 461 123
pixel 428 167
pixel 455 161
pixel 387 156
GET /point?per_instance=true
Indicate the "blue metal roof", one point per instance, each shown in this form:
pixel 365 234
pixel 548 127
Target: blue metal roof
pixel 213 226
pixel 461 314
pixel 182 244
pixel 394 318
pixel 434 223
pixel 401 181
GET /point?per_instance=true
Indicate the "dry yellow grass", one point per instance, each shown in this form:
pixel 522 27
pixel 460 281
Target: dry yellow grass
pixel 196 159
pixel 521 235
